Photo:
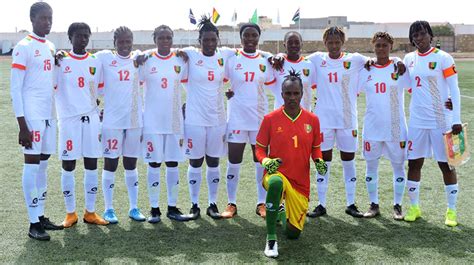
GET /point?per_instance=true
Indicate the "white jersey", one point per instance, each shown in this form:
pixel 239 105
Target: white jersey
pixel 430 90
pixel 205 89
pixel 33 95
pixel 77 82
pixel 336 103
pixel 249 75
pixel 384 118
pixel 162 77
pixel 307 74
pixel 122 94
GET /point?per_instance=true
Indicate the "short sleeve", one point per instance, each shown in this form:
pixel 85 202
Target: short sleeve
pixel 20 57
pixel 269 76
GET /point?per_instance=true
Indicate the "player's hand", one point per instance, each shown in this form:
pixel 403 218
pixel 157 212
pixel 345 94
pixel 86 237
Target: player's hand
pixel 448 104
pixel 271 164
pixel 182 54
pixel 368 64
pixel 229 93
pixel 24 138
pixel 277 62
pixel 140 60
pixel 456 129
pixel 321 166
pixel 58 57
pixel 400 68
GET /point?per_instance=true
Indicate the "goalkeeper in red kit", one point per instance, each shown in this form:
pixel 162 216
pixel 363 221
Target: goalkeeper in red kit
pixel 287 139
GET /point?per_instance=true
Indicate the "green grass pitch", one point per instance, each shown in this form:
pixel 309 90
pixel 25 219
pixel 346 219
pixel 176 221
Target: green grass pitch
pixel 336 238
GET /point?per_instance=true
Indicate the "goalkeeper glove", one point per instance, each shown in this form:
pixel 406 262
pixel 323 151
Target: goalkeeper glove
pixel 271 164
pixel 321 166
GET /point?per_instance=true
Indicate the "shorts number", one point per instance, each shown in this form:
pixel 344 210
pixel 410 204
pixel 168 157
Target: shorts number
pixel 69 145
pixel 164 82
pixel 112 144
pixel 35 136
pixel 80 82
pixel 380 88
pixel 210 75
pixel 124 75
pixel 295 141
pixel 190 143
pixel 249 74
pixel 367 146
pixel 150 146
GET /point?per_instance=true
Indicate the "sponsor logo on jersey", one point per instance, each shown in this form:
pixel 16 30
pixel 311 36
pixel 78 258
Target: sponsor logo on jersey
pixel 279 129
pixel 403 144
pixel 308 128
pixel 306 72
pixel 369 78
pixel 220 61
pixel 347 65
pixel 354 133
pixel 412 64
pixel 153 70
pixel 177 69
pixel 17 53
pixel 395 76
pixel 262 67
pixel 92 70
pixel 238 66
pixel 323 63
pixel 147 155
pixel 67 70
pixel 65 153
pixel 199 63
pixel 106 151
pixel 432 65
pixel 114 63
pixel 37 53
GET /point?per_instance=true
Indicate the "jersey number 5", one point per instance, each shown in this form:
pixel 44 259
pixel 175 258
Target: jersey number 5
pixel 210 75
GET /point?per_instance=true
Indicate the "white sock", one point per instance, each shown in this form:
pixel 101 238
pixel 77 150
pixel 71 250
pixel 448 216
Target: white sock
pixel 322 183
pixel 372 180
pixel 30 191
pixel 68 185
pixel 261 192
pixel 91 183
pixel 233 175
pixel 172 185
pixel 42 185
pixel 213 178
pixel 153 180
pixel 413 188
pixel 452 195
pixel 399 182
pixel 194 180
pixel 131 180
pixel 108 183
pixel 349 172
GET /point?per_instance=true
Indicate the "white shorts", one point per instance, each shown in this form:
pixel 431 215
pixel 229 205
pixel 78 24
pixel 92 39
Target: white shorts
pixel 204 140
pixel 242 136
pixel 423 143
pixel 346 140
pixel 159 148
pixel 394 151
pixel 43 137
pixel 79 136
pixel 121 142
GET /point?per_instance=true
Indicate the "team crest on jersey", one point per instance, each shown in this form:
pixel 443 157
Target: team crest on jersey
pixel 262 67
pixel 220 61
pixel 354 133
pixel 308 128
pixel 395 76
pixel 92 70
pixel 402 144
pixel 177 69
pixel 347 65
pixel 432 65
pixel 306 72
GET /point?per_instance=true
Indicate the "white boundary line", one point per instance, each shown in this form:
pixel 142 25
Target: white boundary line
pixel 467 97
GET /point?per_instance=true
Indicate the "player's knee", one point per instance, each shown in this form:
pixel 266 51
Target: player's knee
pixel 196 162
pixel 69 165
pixel 129 163
pixel 171 164
pixel 154 164
pixel 212 161
pixel 292 232
pixel 275 182
pixel 44 157
pixel 345 156
pixel 90 163
pixel 415 164
pixel 110 164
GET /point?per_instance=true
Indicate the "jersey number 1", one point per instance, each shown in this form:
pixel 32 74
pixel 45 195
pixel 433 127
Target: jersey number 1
pixel 295 141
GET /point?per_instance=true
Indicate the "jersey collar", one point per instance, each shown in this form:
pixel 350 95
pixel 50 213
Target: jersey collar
pixel 157 55
pixel 383 66
pixel 426 53
pixel 297 61
pixel 288 116
pixel 248 55
pixel 78 56
pixel 36 37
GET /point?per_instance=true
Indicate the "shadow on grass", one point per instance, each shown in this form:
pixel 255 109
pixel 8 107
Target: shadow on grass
pixel 327 240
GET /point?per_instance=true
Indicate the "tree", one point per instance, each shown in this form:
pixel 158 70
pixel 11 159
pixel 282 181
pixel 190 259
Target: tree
pixel 443 30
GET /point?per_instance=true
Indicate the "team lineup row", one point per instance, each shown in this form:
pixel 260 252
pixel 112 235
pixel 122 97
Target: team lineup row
pixel 149 122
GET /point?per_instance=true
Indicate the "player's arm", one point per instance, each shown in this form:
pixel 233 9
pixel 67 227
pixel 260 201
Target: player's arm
pixel 316 153
pixel 261 148
pixel 452 79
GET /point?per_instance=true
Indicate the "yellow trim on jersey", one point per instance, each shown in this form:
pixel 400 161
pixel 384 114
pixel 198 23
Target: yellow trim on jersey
pixel 316 146
pixel 291 119
pixel 261 145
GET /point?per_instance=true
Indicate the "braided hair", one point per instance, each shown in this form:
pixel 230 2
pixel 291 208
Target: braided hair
pixel 77 26
pixel 38 6
pixel 418 26
pixel 205 25
pixel 160 28
pixel 293 76
pixel 382 35
pixel 121 30
pixel 334 31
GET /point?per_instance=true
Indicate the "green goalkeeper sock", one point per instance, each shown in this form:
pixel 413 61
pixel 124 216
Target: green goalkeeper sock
pixel 275 188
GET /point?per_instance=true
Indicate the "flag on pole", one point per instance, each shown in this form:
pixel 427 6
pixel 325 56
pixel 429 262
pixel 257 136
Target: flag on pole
pixel 234 16
pixel 254 18
pixel 192 19
pixel 215 16
pixel 278 16
pixel 296 16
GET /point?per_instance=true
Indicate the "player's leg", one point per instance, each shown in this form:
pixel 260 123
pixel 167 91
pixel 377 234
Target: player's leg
pixel 131 151
pixel 152 148
pixel 449 176
pixel 274 185
pixel 372 153
pixel 347 142
pixel 91 150
pixel 261 192
pixel 236 147
pixel 112 142
pixel 419 148
pixel 215 148
pixel 396 152
pixel 328 139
